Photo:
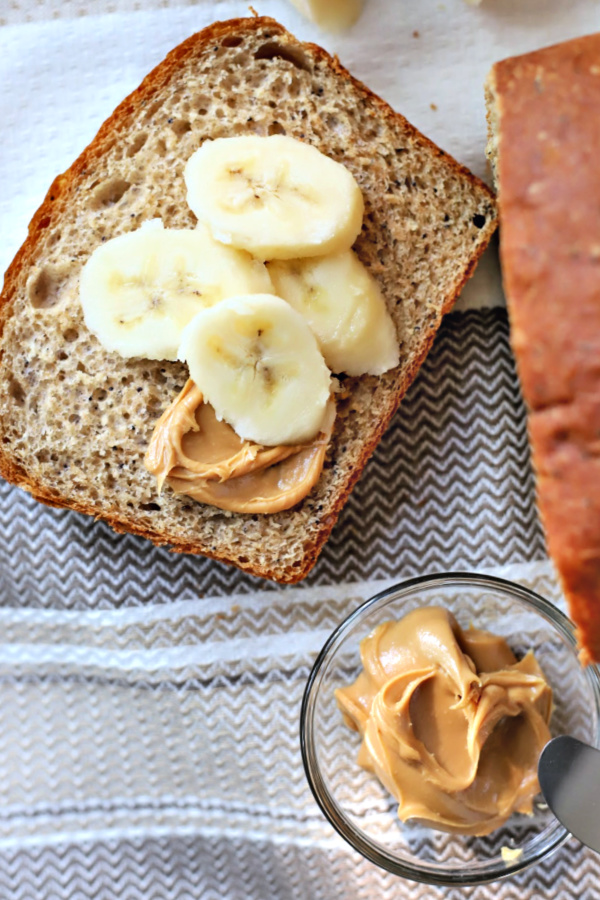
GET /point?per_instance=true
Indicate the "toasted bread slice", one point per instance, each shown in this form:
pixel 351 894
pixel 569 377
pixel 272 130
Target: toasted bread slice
pixel 75 420
pixel 544 134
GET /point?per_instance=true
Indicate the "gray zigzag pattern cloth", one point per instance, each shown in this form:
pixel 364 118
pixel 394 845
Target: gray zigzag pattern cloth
pixel 450 486
pixel 149 714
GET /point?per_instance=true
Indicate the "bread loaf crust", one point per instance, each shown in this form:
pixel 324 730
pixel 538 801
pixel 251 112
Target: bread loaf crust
pixel 545 134
pixel 310 524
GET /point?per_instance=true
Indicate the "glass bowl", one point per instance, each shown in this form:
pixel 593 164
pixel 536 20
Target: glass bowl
pixel 354 801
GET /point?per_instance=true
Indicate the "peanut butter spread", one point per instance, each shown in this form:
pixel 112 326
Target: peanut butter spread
pixel 205 459
pixel 452 724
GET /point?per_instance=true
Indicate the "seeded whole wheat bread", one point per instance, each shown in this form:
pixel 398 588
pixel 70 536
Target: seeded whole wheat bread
pixel 544 135
pixel 75 420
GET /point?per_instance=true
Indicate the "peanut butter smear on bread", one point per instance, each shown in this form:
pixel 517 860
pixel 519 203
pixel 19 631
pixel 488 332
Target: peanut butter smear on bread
pixel 452 724
pixel 203 458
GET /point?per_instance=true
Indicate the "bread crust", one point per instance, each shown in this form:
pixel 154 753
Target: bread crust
pixel 548 134
pixel 56 204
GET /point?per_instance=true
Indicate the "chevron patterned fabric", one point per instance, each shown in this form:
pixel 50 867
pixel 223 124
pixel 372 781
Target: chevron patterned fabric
pixel 450 486
pixel 149 715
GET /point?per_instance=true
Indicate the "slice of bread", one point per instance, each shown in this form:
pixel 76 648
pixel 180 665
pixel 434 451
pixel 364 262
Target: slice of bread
pixel 75 420
pixel 544 135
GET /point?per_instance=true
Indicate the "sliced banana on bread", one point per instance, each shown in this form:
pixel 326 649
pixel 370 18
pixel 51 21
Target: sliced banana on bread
pixel 139 290
pixel 276 197
pixel 258 364
pixel 76 418
pixel 345 308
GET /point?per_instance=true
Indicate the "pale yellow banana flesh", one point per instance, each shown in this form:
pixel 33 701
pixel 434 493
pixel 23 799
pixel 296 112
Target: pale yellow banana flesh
pixel 334 15
pixel 204 295
pixel 139 290
pixel 345 309
pixel 276 197
pixel 258 364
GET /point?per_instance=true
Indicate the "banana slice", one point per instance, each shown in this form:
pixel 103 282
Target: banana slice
pixel 276 197
pixel 138 291
pixel 258 364
pixel 334 15
pixel 344 307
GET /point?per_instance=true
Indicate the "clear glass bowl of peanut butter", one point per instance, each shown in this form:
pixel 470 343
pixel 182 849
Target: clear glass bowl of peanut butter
pixel 423 719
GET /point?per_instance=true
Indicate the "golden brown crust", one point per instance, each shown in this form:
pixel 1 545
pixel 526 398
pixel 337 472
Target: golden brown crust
pixel 57 202
pixel 546 107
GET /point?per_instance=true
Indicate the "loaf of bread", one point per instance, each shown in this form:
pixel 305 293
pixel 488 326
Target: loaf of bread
pixel 544 135
pixel 76 420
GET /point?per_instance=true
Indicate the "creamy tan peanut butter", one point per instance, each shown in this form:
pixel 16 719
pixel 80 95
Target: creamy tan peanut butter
pixel 205 459
pixel 452 724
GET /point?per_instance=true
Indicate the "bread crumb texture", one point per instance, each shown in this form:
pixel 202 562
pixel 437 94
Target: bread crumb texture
pixel 76 420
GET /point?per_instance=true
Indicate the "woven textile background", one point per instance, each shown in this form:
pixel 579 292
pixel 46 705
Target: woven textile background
pixel 149 715
pixel 149 702
pixel 450 486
